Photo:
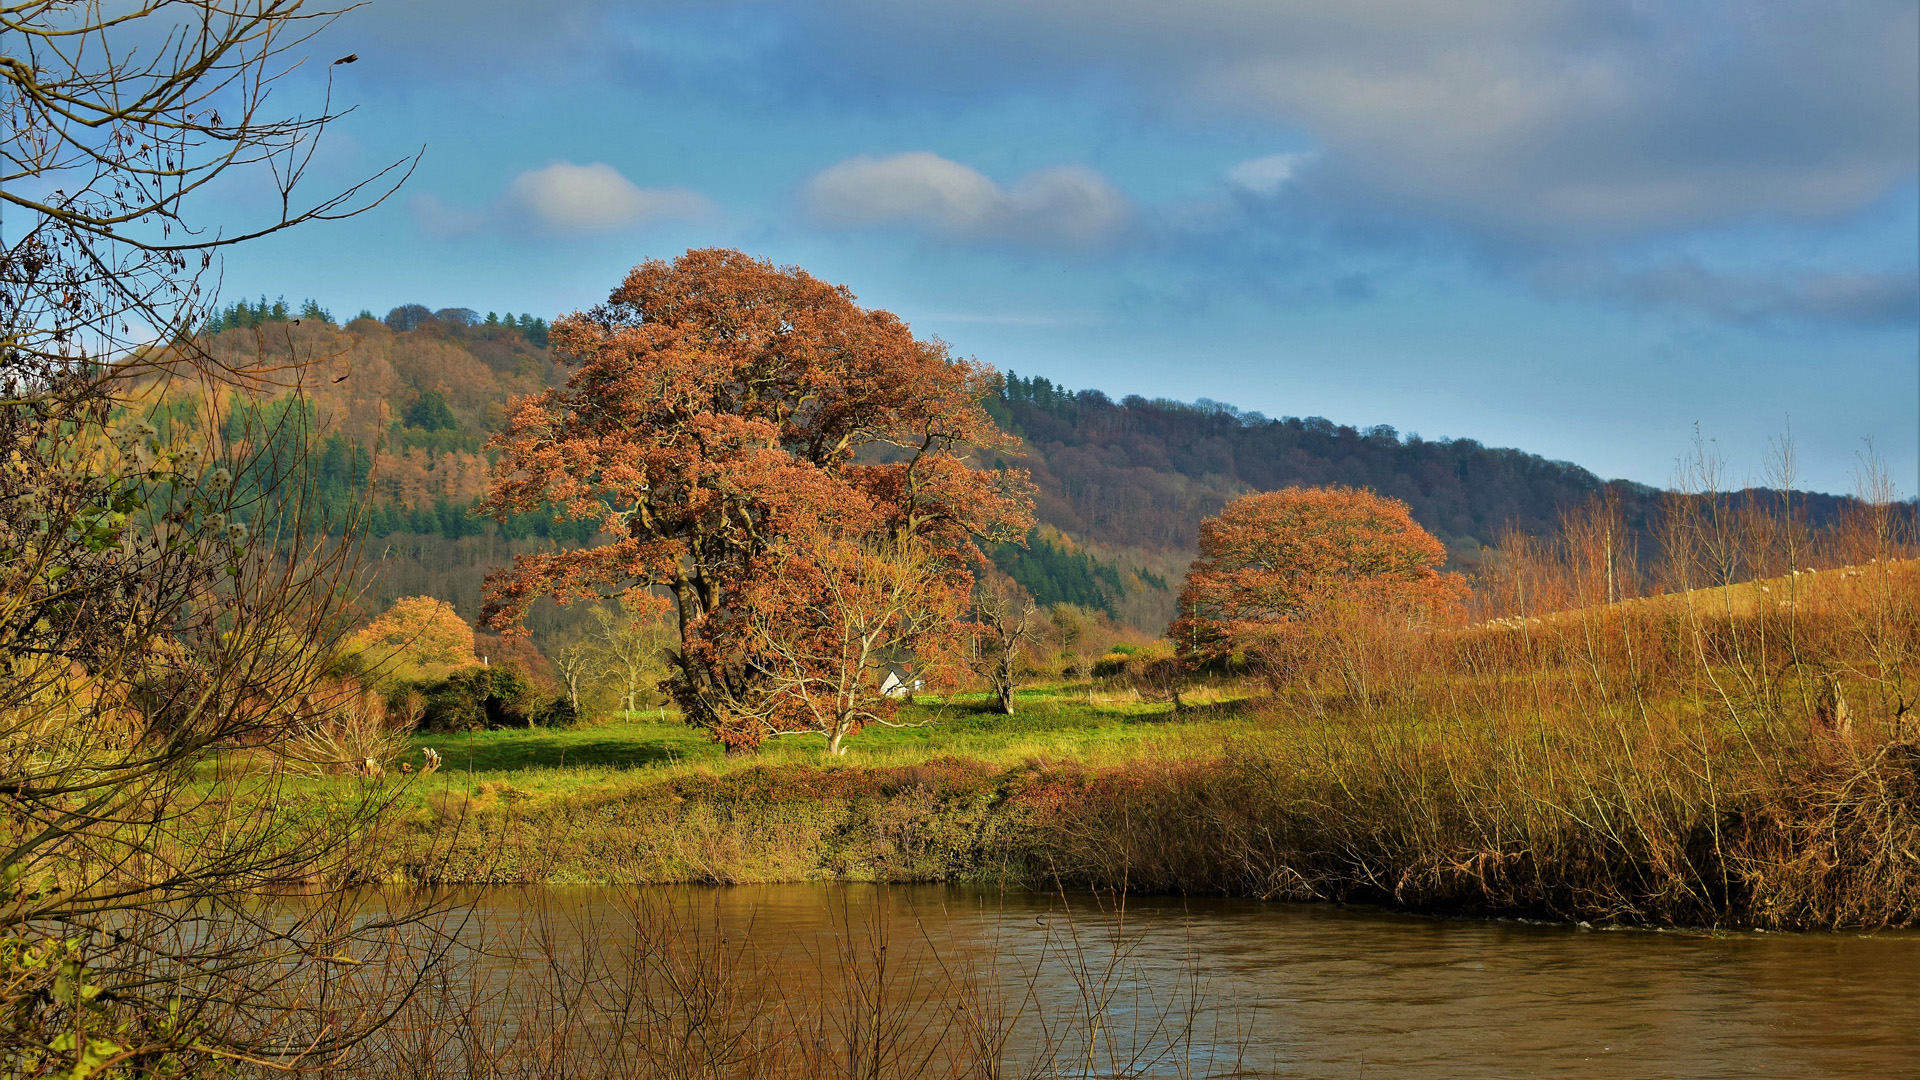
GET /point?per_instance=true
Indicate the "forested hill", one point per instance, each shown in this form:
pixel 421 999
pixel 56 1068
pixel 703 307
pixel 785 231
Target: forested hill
pixel 409 400
pixel 1140 473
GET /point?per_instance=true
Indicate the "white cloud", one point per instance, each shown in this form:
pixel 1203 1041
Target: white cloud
pixel 1064 206
pixel 563 199
pixel 568 198
pixel 1267 175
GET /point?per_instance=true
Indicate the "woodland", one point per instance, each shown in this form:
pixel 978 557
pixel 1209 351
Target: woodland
pixel 1120 487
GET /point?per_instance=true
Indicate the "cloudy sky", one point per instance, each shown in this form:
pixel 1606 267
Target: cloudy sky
pixel 1578 227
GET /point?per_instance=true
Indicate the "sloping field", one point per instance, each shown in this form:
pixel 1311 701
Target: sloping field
pixel 1810 590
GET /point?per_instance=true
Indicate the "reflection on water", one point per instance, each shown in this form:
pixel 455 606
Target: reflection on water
pixel 1314 991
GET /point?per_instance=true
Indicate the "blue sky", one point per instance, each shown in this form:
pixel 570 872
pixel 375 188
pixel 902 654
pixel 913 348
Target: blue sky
pixel 1578 227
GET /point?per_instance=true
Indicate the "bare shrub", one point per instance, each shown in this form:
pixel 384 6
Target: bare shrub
pixel 166 605
pixel 348 728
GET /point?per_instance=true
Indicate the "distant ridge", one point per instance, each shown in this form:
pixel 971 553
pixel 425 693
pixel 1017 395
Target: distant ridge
pixel 1122 486
pixel 1141 473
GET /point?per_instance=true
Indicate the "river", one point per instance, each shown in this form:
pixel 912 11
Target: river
pixel 1318 991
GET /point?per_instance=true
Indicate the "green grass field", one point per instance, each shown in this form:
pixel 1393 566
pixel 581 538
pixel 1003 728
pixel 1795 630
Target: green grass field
pixel 1053 721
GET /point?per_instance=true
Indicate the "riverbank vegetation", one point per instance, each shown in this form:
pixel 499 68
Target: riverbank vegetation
pixel 662 984
pixel 1595 747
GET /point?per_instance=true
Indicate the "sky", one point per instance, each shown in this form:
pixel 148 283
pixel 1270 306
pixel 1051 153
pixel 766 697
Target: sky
pixel 1590 229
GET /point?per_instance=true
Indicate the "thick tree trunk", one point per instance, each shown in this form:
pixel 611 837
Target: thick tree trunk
pixel 1005 692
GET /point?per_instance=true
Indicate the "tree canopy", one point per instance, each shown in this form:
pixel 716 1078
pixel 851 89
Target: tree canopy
pixel 429 412
pixel 724 419
pixel 418 637
pixel 1288 556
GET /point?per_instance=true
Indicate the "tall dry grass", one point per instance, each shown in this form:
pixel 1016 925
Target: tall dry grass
pixel 1720 731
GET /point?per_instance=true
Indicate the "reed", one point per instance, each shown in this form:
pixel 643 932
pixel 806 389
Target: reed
pixel 1686 741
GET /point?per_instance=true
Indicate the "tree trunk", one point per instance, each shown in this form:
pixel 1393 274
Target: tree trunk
pixel 1005 692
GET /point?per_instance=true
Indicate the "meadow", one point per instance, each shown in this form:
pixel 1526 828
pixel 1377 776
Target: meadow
pixel 1085 723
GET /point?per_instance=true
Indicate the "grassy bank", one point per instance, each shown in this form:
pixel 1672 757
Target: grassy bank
pixel 1100 725
pixel 1653 829
pixel 644 798
pixel 1730 757
pixel 1823 846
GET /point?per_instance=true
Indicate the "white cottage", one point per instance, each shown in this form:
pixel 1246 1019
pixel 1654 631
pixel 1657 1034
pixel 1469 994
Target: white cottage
pixel 899 680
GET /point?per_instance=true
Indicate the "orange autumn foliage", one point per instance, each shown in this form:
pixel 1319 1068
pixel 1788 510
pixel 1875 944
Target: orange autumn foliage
pixel 418 637
pixel 723 416
pixel 834 612
pixel 1274 563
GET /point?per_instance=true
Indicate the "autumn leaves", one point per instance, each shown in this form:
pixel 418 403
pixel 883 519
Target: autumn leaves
pixel 796 480
pixel 1276 569
pixel 788 474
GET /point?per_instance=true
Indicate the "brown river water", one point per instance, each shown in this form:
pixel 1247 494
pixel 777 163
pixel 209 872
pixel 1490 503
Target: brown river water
pixel 1317 991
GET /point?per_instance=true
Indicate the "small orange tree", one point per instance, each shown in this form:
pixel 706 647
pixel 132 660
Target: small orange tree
pixel 1276 566
pixel 725 416
pixel 419 637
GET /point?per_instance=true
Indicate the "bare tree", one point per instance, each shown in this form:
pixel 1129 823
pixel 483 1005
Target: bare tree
pixel 116 118
pixel 167 616
pixel 845 611
pixel 630 647
pixel 1003 615
pixel 578 664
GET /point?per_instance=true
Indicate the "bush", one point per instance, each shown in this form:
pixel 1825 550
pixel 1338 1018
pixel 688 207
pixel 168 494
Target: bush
pixel 477 698
pixel 1127 664
pixel 481 697
pixel 511 699
pixel 345 727
pixel 459 701
pixel 556 712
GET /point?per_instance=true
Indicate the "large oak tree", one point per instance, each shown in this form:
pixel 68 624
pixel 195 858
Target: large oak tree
pixel 726 418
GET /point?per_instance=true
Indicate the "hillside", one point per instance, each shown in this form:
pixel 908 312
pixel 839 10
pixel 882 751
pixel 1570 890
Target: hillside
pixel 1141 473
pixel 409 400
